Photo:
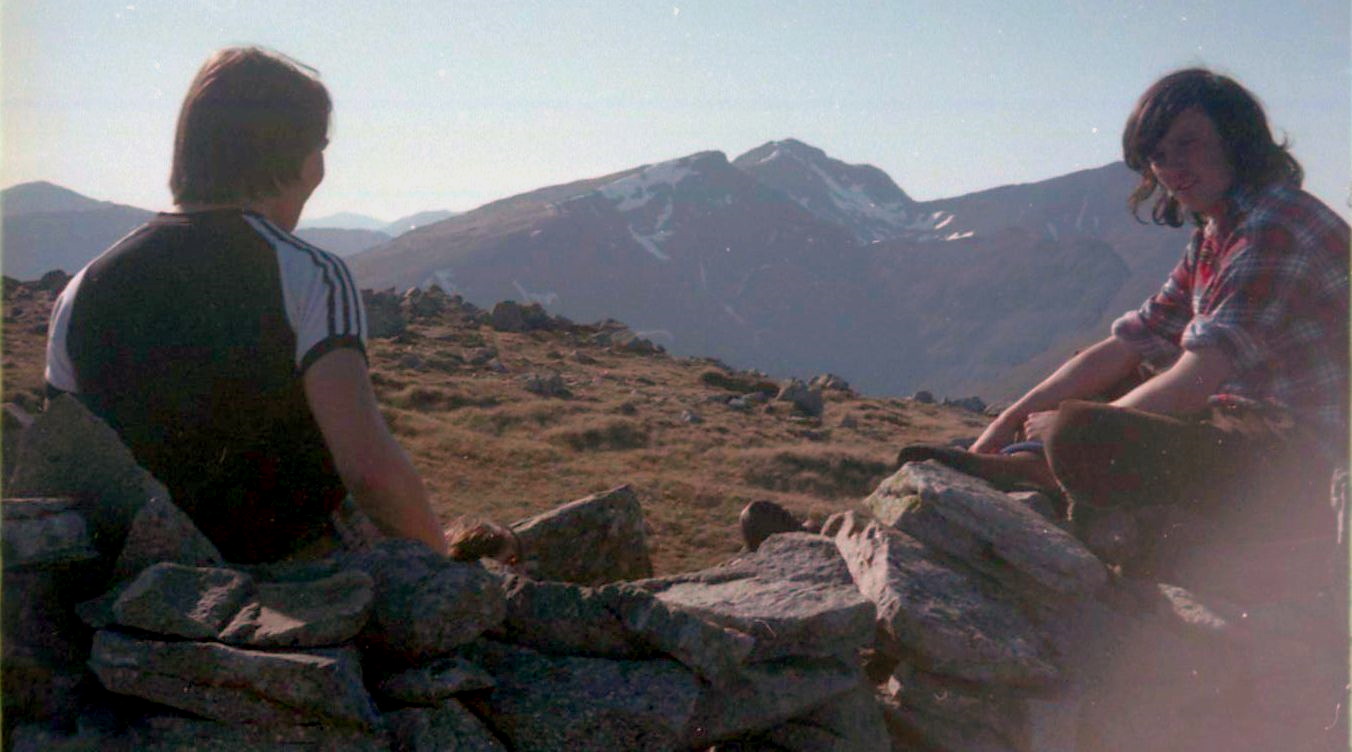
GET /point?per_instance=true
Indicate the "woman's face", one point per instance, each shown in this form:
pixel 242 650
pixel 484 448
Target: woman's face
pixel 1190 163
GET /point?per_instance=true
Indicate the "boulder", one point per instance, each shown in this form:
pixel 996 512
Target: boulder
pixel 162 532
pixel 549 703
pixel 170 733
pixel 507 317
pixel 70 452
pixel 1042 504
pixel 768 694
pixel 421 304
pixel 1014 534
pixel 628 341
pixel 384 319
pixel 930 712
pixel 618 621
pixel 426 605
pixel 328 611
pixel 794 596
pixel 829 382
pixel 234 685
pixel 852 721
pixel 608 526
pixel 41 533
pixel 806 400
pixel 432 684
pixel 974 404
pixel 565 619
pixel 546 385
pixel 53 281
pixel 942 619
pixel 449 726
pixel 713 652
pixel 192 603
pixel 14 420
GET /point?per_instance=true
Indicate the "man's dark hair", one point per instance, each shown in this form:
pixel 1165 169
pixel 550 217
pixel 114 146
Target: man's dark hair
pixel 249 120
pixel 1256 158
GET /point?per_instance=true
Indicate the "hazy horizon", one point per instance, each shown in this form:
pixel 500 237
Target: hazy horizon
pixel 443 106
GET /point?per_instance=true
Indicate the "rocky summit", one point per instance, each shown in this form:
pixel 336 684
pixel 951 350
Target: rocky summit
pixel 928 611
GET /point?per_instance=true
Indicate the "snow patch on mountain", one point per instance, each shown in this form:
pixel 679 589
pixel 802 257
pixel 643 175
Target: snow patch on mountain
pixel 649 243
pixel 546 298
pixel 855 201
pixel 443 278
pixel 634 191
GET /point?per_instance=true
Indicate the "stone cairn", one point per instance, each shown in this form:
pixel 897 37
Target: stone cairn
pixel 946 615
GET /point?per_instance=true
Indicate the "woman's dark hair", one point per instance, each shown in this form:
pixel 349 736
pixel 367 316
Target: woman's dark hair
pixel 249 120
pixel 1255 157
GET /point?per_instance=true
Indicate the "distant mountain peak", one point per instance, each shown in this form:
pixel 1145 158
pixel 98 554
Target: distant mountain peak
pixel 860 197
pixel 346 221
pixel 40 196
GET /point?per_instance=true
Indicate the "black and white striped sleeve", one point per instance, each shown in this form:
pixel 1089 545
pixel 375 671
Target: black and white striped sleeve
pixel 59 370
pixel 322 302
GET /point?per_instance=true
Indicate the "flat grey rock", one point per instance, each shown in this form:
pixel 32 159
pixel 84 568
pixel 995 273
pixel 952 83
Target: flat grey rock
pixel 448 726
pixel 794 596
pixel 848 723
pixel 434 683
pixel 234 685
pixel 712 651
pixel 768 694
pixel 44 533
pixel 619 620
pixel 329 611
pixel 160 531
pixel 174 600
pixel 425 604
pixel 941 618
pixel 565 619
pixel 608 526
pixel 548 703
pixel 1014 533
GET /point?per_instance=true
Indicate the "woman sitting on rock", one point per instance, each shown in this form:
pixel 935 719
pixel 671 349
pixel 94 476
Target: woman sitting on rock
pixel 1245 346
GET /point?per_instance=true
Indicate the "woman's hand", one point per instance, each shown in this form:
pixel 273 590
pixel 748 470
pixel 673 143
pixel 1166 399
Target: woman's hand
pixel 1037 426
pixel 1001 432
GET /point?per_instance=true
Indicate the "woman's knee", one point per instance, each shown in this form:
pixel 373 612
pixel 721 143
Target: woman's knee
pixel 1078 424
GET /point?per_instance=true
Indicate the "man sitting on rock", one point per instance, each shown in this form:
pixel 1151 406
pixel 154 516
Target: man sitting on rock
pixel 228 353
pixel 1245 413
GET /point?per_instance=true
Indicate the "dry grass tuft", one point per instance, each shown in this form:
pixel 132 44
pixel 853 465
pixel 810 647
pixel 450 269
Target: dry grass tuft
pixel 826 473
pixel 599 435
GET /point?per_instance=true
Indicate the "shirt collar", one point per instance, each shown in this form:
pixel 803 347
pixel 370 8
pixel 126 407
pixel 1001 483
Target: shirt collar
pixel 1238 200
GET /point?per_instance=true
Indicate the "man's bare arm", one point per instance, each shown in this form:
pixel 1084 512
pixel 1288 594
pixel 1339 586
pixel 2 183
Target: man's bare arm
pixel 1091 371
pixel 376 470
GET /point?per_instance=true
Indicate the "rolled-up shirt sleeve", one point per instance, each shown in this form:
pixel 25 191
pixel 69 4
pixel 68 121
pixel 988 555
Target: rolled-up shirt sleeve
pixel 1253 299
pixel 1155 329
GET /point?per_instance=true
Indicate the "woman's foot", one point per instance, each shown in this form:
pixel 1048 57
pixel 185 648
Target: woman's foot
pixel 1007 472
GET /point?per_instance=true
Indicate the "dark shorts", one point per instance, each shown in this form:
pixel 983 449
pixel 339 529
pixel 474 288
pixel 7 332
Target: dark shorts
pixel 1246 490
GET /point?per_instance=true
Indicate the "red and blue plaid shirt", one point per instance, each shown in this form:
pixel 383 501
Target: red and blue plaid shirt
pixel 1267 282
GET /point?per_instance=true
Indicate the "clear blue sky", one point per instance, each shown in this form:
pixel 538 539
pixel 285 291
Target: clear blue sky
pixel 452 104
